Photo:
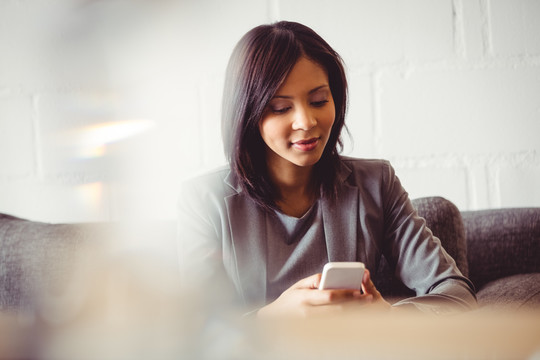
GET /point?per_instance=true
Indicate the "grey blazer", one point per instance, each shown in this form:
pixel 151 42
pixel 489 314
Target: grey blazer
pixel 222 235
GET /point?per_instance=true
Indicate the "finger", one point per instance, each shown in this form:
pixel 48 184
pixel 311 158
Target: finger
pixel 311 282
pixel 339 308
pixel 335 296
pixel 368 287
pixel 367 276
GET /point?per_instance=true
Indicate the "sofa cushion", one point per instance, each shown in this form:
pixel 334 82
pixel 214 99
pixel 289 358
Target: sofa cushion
pixel 39 255
pixel 511 292
pixel 502 242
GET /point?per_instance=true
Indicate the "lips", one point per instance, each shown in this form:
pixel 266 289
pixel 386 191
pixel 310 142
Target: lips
pixel 306 144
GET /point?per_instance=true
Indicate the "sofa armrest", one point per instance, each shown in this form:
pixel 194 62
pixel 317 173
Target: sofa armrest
pixel 41 259
pixel 37 256
pixel 502 242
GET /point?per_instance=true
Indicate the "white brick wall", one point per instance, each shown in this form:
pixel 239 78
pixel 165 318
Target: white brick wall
pixel 448 90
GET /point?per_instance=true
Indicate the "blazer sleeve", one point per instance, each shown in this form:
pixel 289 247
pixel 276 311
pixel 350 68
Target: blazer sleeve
pixel 418 257
pixel 199 244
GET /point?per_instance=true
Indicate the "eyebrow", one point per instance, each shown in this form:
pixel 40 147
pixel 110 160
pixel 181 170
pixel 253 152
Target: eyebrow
pixel 310 92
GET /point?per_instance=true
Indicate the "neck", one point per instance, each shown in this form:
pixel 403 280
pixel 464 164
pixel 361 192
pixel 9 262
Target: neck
pixel 296 188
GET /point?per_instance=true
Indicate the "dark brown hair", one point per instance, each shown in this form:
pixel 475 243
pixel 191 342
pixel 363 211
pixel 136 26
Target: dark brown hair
pixel 259 64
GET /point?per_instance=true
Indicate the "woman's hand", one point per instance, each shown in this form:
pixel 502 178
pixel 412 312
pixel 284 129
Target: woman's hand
pixel 369 289
pixel 303 299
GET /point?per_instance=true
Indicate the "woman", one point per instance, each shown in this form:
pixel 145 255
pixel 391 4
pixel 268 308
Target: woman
pixel 288 202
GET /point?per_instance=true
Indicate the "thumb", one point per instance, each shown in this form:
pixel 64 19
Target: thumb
pixel 368 287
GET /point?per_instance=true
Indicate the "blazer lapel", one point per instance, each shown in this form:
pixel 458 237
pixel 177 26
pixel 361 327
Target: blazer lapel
pixel 340 222
pixel 247 246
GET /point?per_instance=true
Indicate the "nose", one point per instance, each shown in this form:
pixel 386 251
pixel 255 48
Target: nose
pixel 304 119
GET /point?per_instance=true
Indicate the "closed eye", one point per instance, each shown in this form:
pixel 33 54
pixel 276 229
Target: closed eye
pixel 319 103
pixel 281 110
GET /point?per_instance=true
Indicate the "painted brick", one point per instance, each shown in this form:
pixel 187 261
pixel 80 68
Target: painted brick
pixel 205 34
pixel 518 186
pixel 16 136
pixel 212 144
pixel 480 186
pixel 461 111
pixel 15 58
pixel 379 31
pixel 360 117
pixel 515 27
pixel 156 195
pixel 450 183
pixel 449 89
pixel 147 169
pixel 63 119
pixel 74 143
pixel 54 203
pixel 25 32
pixel 474 29
pixel 208 30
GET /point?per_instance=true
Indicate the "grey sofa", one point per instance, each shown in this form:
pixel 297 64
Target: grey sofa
pixel 498 249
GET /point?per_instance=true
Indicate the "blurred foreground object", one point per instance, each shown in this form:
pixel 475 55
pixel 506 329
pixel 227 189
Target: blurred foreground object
pixel 473 335
pixel 112 291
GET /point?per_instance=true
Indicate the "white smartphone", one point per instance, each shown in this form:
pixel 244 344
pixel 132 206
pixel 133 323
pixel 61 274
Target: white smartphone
pixel 342 275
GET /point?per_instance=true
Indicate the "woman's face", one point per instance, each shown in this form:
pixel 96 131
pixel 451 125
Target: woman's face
pixel 298 120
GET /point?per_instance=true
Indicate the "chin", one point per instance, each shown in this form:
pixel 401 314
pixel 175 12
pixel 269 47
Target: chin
pixel 307 161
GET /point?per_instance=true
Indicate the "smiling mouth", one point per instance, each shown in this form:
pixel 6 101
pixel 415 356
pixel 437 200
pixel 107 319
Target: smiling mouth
pixel 307 141
pixel 306 145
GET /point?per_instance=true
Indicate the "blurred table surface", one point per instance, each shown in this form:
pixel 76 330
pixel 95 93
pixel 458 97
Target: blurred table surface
pixel 494 334
pixel 362 335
